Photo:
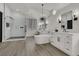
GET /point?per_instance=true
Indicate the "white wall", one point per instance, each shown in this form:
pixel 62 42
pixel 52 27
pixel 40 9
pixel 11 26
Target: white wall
pixel 52 23
pixel 2 7
pixel 7 19
pixel 19 20
pixel 70 7
pixel 53 19
pixel 5 31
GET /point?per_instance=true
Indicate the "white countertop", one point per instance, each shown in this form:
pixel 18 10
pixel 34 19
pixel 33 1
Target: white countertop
pixel 65 33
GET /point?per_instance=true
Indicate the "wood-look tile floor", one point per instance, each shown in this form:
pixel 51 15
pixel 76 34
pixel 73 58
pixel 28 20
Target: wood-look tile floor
pixel 28 48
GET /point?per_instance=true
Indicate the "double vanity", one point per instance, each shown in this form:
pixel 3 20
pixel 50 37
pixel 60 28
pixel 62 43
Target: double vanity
pixel 65 36
pixel 66 42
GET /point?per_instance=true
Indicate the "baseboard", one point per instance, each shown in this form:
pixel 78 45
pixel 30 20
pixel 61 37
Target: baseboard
pixel 16 37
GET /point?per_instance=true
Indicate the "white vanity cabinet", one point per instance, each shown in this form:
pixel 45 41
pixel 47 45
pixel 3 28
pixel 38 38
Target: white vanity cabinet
pixel 68 43
pixel 57 41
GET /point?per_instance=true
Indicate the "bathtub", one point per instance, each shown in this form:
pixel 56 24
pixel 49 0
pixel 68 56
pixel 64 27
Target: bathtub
pixel 42 38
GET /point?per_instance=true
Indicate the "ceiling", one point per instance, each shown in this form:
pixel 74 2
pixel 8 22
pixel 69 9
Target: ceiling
pixel 35 9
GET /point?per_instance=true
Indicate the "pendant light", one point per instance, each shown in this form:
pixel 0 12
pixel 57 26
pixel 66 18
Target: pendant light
pixel 42 18
pixel 42 9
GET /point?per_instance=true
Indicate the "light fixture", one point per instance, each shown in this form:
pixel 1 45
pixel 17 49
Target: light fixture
pixel 53 12
pixel 42 18
pixel 59 19
pixel 42 9
pixel 75 14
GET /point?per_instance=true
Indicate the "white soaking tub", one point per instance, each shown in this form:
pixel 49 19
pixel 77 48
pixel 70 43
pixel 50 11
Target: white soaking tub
pixel 42 38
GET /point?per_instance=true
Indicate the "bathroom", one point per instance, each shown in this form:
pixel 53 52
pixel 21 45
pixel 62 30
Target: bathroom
pixel 51 26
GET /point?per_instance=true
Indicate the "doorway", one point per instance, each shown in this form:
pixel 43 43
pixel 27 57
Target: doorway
pixel 0 26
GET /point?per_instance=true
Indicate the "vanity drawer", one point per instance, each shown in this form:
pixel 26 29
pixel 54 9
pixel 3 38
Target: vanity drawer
pixel 67 40
pixel 68 47
pixel 68 43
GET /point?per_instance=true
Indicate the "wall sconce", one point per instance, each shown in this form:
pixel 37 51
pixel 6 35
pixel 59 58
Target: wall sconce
pixel 75 14
pixel 9 17
pixel 75 17
pixel 7 24
pixel 62 26
pixel 59 19
pixel 42 19
pixel 56 30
